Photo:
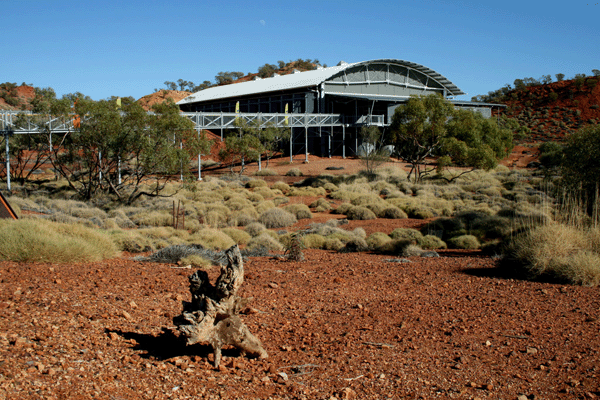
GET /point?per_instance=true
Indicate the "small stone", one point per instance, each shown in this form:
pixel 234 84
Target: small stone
pixel 488 343
pixel 489 386
pixel 532 350
pixel 348 394
pixel 283 376
pixel 57 281
pixel 273 285
pixel 382 376
pixel 472 384
pixel 113 336
pixel 522 397
pixel 272 369
pixel 132 304
pixel 126 315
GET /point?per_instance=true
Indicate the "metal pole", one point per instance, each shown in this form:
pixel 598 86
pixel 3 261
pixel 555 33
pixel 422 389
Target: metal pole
pixel 291 141
pixel 344 141
pixel 306 144
pixel 119 168
pixel 7 162
pixel 199 162
pixel 100 163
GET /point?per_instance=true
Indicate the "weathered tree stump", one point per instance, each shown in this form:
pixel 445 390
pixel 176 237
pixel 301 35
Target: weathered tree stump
pixel 213 314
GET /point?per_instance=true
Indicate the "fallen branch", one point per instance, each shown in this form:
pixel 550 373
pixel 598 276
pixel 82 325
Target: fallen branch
pixel 391 346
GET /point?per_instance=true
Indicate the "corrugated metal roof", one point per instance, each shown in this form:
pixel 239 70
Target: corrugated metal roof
pixel 303 79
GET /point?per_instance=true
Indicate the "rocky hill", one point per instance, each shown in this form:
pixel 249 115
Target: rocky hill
pixel 555 109
pixel 13 97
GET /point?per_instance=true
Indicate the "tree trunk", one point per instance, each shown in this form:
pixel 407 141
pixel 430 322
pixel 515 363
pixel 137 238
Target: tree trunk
pixel 213 314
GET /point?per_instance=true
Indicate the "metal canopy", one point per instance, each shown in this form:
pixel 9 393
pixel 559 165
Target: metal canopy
pixel 307 79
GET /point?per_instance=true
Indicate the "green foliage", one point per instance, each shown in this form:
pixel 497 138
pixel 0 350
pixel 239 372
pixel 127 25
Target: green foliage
pixel 224 78
pixel 417 129
pixel 551 154
pixel 474 141
pixel 240 148
pixel 580 168
pixel 107 140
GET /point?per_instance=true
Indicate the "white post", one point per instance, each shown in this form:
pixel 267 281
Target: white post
pixel 306 144
pixel 100 163
pixel 7 162
pixel 119 168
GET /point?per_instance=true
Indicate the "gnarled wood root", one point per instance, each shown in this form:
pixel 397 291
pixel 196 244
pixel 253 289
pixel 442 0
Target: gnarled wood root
pixel 212 315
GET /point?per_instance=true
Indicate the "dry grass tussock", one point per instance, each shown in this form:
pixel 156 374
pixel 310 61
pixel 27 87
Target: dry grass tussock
pixel 29 240
pixel 560 251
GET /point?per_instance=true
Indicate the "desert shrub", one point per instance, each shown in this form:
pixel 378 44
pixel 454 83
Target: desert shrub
pixel 344 195
pixel 265 240
pixel 284 187
pixel 378 208
pixel 444 228
pixel 365 199
pixel 277 218
pixel 306 191
pixel 264 206
pixel 131 241
pixel 320 205
pixel 393 213
pixel 360 213
pixel 301 211
pixel 280 201
pixel 343 208
pixel 266 172
pixel 265 193
pixel 255 183
pixel 196 261
pixel 406 234
pixel 153 218
pixel 333 244
pixel 29 240
pixel 396 247
pixel 238 203
pixel 293 172
pixel 313 241
pixel 377 239
pixel 359 232
pixel 294 245
pixel 255 228
pixel 431 242
pixel 355 244
pixel 256 197
pixel 467 242
pixel 212 239
pixel 242 217
pixel 239 236
pixel 560 252
pixel 330 187
pixel 121 219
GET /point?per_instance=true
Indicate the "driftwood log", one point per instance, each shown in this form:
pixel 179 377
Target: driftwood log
pixel 213 314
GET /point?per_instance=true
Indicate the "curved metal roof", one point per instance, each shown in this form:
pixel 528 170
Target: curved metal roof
pixel 304 79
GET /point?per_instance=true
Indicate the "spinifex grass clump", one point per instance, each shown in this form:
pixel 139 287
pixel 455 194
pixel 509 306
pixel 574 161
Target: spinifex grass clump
pixel 31 240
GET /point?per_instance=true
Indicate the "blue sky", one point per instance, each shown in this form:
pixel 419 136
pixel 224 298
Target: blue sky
pixel 110 48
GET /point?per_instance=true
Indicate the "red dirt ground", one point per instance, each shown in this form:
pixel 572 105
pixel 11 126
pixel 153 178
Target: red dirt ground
pixel 336 326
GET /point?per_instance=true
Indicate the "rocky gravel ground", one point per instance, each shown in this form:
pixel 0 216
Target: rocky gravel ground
pixel 336 326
